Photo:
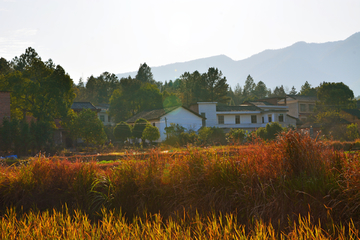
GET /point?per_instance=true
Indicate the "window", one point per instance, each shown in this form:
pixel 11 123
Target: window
pixel 302 108
pixel 269 118
pixel 203 120
pixel 221 119
pixel 263 119
pixel 311 107
pixel 102 118
pixel 154 124
pixel 237 119
pixel 253 119
pixel 281 118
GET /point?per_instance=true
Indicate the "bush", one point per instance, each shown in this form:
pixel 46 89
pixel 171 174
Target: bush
pixel 151 133
pixel 139 127
pixel 236 136
pixel 212 135
pixel 270 131
pixel 122 131
pixel 352 132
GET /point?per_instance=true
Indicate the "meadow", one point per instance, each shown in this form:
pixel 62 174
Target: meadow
pixel 294 187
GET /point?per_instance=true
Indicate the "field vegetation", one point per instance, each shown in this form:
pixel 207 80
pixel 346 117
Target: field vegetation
pixel 293 187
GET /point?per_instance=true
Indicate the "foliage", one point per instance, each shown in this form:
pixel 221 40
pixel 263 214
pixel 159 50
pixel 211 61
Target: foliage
pixel 236 136
pixel 307 90
pixel 89 127
pixel 138 129
pixel 39 89
pixel 295 181
pixel 270 131
pixel 212 135
pixel 122 131
pixel 352 132
pixel 97 90
pixel 335 96
pixel 176 135
pixel 19 137
pixel 151 133
pixel 144 74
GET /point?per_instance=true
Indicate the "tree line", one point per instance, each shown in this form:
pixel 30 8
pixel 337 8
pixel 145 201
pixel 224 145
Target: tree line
pixel 43 91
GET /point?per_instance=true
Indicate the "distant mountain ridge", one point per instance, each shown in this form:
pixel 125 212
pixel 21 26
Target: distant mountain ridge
pixel 290 66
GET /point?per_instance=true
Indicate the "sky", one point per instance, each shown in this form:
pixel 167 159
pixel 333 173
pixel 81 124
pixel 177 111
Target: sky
pixel 89 37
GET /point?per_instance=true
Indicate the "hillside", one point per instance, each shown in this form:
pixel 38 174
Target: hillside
pixel 290 66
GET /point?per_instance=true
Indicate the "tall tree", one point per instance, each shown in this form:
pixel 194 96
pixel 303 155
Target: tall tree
pixel 293 91
pixel 307 90
pixel 144 74
pixel 41 89
pixel 335 95
pixel 249 88
pixel 215 85
pixel 260 91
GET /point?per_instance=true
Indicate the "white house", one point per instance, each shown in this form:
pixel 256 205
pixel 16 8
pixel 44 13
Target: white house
pixel 162 118
pixel 249 116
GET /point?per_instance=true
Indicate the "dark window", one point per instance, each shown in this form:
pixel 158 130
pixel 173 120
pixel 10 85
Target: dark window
pixel 221 119
pixel 237 119
pixel 269 118
pixel 263 119
pixel 302 107
pixel 154 124
pixel 253 119
pixel 203 120
pixel 281 118
pixel 102 118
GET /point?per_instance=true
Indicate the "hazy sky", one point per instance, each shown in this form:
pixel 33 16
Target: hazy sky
pixel 90 37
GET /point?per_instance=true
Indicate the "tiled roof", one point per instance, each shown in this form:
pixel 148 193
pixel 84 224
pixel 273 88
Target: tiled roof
pixel 82 105
pixel 354 112
pixel 236 108
pixel 156 114
pixel 261 103
pixel 303 98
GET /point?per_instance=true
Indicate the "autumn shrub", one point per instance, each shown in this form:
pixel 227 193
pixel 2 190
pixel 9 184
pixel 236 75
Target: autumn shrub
pixel 275 181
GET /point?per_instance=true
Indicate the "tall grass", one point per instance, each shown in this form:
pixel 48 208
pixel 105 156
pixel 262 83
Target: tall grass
pixel 60 225
pixel 274 182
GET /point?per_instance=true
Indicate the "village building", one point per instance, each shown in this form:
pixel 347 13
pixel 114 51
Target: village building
pixel 164 117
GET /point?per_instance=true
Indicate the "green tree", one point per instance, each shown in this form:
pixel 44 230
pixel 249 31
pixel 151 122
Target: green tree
pixel 249 88
pixel 122 131
pixel 279 92
pixel 293 91
pixel 260 91
pixel 38 88
pixel 335 95
pixel 352 132
pixel 139 127
pixel 151 133
pixel 216 86
pixel 144 74
pixel 89 127
pixel 236 136
pixel 307 90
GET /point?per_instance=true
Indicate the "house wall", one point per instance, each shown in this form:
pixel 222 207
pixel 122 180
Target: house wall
pixel 4 105
pixel 179 116
pixel 209 108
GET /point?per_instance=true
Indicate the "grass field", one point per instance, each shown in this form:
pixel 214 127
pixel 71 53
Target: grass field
pixel 291 188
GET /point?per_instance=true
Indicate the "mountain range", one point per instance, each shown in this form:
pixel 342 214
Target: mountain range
pixel 290 66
